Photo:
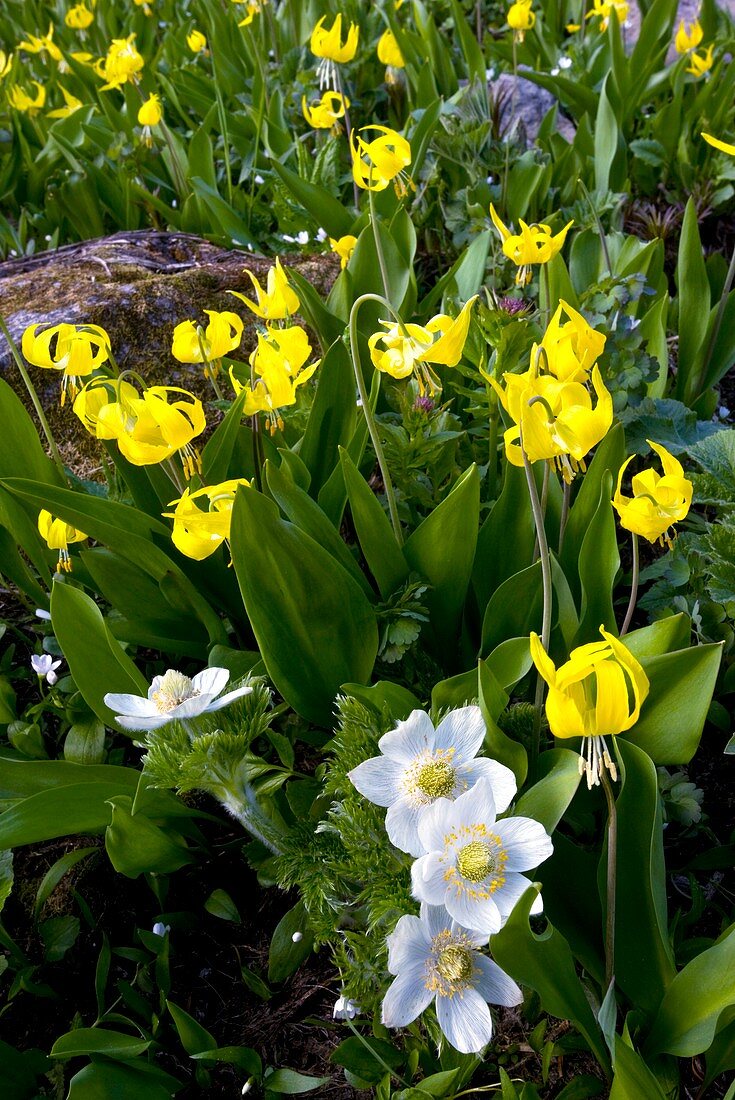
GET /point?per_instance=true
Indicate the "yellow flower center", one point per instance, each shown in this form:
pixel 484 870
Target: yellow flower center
pixel 174 689
pixel 454 964
pixel 436 779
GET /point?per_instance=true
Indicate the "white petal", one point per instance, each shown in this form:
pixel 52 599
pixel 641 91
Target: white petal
pixel 131 704
pixel 481 914
pixel 377 779
pixel 210 681
pixel 410 738
pixel 465 1020
pixel 501 779
pixel 51 677
pixel 477 939
pixel 406 998
pixel 230 697
pixel 494 985
pixel 507 896
pixel 401 825
pixel 462 730
pixel 477 805
pixel 191 708
pixel 408 944
pixel 427 879
pixel 435 821
pixel 139 723
pixel 526 842
pixel 436 919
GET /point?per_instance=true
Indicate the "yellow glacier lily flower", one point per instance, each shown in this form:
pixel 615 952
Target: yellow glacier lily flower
pixel 657 502
pixel 409 349
pixel 328 45
pixel 252 8
pixel 93 397
pixel 723 146
pixel 6 63
pixel 79 17
pixel 122 64
pixel 389 52
pixel 326 112
pixel 198 531
pixel 520 18
pixel 145 5
pixel 57 535
pixel 700 63
pixel 20 100
pixel 277 302
pixel 381 161
pixel 535 244
pixel 71 104
pixel 196 41
pixel 598 693
pixel 150 114
pixel 344 247
pixel 602 10
pixel 688 36
pixel 572 348
pixel 194 344
pixel 76 352
pixel 278 361
pixel 44 44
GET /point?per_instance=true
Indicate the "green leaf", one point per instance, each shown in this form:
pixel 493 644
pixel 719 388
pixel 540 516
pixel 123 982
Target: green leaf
pixel 21 778
pixel 286 956
pixel 694 305
pixel 442 550
pixel 507 537
pixel 673 715
pixel 633 1079
pixel 287 1082
pixel 80 808
pixel 493 701
pixel 96 660
pixel 515 608
pixel 663 636
pixel 85 742
pixel 59 934
pixel 545 963
pixel 606 140
pixel 136 845
pixel 220 904
pixel 643 961
pixel 217 452
pixel 383 555
pixel 102 1080
pixel 98 1040
pixel 314 626
pixel 368 1059
pixel 687 1019
pixel 6 875
pixel 599 562
pixel 332 418
pixel 548 799
pixel 21 452
pixel 195 1039
pixel 242 1057
pixel 317 201
pixel 55 873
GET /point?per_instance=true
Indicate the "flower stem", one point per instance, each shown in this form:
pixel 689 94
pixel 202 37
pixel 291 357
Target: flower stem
pixel 633 587
pixel 598 223
pixel 379 247
pixel 612 859
pixel 368 412
pixel 244 808
pixel 34 398
pixel 565 502
pixel 492 443
pixel 543 544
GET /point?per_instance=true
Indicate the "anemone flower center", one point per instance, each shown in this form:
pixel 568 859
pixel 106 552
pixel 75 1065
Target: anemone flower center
pixel 173 690
pixel 436 779
pixel 454 964
pixel 478 859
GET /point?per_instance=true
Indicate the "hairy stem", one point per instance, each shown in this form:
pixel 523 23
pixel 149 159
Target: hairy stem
pixel 244 807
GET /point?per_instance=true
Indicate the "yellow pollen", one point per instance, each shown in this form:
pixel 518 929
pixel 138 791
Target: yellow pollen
pixel 436 779
pixel 175 689
pixel 455 964
pixel 477 860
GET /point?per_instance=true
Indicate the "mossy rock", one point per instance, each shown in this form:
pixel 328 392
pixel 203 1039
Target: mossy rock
pixel 138 286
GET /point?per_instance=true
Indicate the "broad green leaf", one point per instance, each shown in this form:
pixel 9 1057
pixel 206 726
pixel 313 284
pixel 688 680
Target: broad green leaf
pixel 55 873
pixel 287 1082
pixel 220 904
pixel 663 636
pixel 694 305
pixel 21 452
pixel 98 1040
pixel 333 416
pixel 6 875
pixel 314 626
pixel 383 555
pixel 547 800
pixel 606 140
pixel 576 913
pixel 323 207
pixel 499 746
pixel 96 660
pixel 515 608
pixel 102 1080
pixel 218 449
pixel 195 1039
pixel 633 1079
pixel 21 778
pixel 599 562
pixel 687 1019
pixel 285 956
pixel 62 811
pixel 85 742
pixel 507 537
pixel 136 845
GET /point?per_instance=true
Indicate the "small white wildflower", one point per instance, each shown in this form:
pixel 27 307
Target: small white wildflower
pixel 174 696
pixel 554 71
pixel 45 667
pixel 321 235
pixel 302 237
pixel 41 614
pixel 297 937
pixel 247 1087
pixel 345 1009
pixel 433 957
pixel 565 62
pixel 723 412
pixel 421 764
pixel 160 929
pixel 259 179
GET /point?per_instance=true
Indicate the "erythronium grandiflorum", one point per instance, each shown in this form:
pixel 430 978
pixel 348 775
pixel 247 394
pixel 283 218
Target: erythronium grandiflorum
pixel 571 348
pixel 420 764
pixel 602 9
pixel 71 104
pixel 688 36
pixel 79 17
pixel 197 531
pixel 194 344
pixel 57 535
pixel 174 697
pixel 436 959
pixel 327 45
pixel 277 302
pixel 657 502
pixel 20 100
pixel 389 53
pixel 122 64
pixel 409 349
pixel 472 861
pixel 344 247
pixel 196 41
pixel 252 8
pixel 700 63
pixel 326 112
pixel 716 143
pixel 382 161
pixel 278 366
pixel 535 244
pixel 149 115
pixel 75 351
pixel 521 18
pixel 553 420
pixel 598 693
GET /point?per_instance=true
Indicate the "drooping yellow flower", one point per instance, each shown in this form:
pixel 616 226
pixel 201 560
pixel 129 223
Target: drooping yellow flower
pixel 79 17
pixel 252 8
pixel 553 420
pixel 196 41
pixel 194 344
pixel 409 349
pixel 521 18
pixel 150 114
pixel 723 146
pixel 57 535
pixel 20 100
pixel 572 348
pixel 535 244
pixel 145 426
pixel 43 44
pixel 198 531
pixel 75 351
pixel 389 52
pixel 688 36
pixel 277 302
pixel 328 44
pixel 6 63
pixel 71 104
pixel 700 63
pixel 278 361
pixel 602 9
pixel 598 693
pixel 344 247
pixel 326 112
pixel 381 161
pixel 122 64
pixel 657 502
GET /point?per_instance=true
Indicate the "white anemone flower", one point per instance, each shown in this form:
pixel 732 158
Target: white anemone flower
pixel 473 862
pixel 421 764
pixel 45 666
pixel 345 1008
pixel 433 957
pixel 174 696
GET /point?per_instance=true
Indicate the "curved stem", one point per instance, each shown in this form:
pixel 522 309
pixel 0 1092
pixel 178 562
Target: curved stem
pixel 565 502
pixel 379 247
pixel 245 808
pixel 633 587
pixel 34 398
pixel 367 410
pixel 612 859
pixel 492 443
pixel 543 545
